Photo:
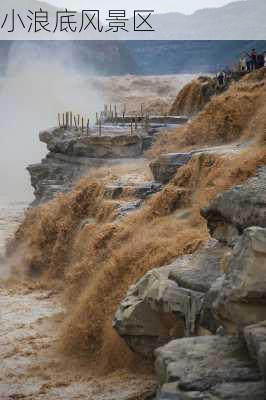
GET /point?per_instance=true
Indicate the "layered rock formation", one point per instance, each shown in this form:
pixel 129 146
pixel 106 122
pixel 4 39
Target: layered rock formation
pixel 220 292
pixel 237 209
pixel 207 368
pixel 167 302
pixel 72 154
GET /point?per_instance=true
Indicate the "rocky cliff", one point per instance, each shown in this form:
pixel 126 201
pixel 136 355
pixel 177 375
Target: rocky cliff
pixel 217 291
pixel 72 154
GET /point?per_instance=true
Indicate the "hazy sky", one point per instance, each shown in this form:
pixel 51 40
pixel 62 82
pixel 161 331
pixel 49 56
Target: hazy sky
pixel 183 6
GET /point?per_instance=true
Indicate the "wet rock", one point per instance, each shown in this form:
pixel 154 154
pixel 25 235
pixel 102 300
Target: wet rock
pixel 239 391
pixel 127 208
pixel 198 271
pixel 205 367
pixel 246 266
pixel 73 153
pixel 255 336
pixel 167 302
pixel 147 189
pixel 226 391
pixel 166 166
pixel 93 146
pixel 141 191
pixel 58 173
pixel 237 209
pixel 114 191
pixel 241 298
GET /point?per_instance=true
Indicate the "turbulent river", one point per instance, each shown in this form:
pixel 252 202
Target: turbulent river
pixel 30 316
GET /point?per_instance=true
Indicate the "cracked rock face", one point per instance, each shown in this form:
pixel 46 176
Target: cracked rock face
pixel 71 144
pixel 255 336
pixel 167 165
pixel 241 298
pixel 71 156
pixel 167 302
pixel 210 367
pixel 237 209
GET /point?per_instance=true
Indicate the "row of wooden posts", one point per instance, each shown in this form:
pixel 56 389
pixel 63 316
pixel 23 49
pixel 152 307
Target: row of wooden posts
pixel 71 121
pixel 110 112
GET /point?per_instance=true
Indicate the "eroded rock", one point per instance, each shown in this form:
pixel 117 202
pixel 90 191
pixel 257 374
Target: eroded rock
pixel 237 209
pixel 166 166
pixel 92 146
pixel 209 367
pixel 255 336
pixel 167 302
pixel 241 298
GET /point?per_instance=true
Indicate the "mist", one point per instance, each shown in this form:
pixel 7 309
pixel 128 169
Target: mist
pixel 35 88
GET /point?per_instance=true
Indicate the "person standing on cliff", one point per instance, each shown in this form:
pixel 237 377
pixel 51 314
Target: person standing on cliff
pixel 260 60
pixel 243 63
pixel 252 60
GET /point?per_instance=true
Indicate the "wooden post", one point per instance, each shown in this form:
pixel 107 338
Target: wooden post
pixel 124 111
pixel 63 120
pixel 147 122
pixel 82 124
pixel 78 120
pixel 100 128
pixel 115 112
pixel 136 122
pixel 75 122
pixel 59 120
pixel 71 120
pixel 141 110
pixel 88 127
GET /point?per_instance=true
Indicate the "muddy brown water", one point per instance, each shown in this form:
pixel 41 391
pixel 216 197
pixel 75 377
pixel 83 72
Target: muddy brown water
pixel 30 365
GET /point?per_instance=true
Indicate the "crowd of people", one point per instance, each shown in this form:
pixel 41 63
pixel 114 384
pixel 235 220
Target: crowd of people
pixel 248 62
pixel 251 61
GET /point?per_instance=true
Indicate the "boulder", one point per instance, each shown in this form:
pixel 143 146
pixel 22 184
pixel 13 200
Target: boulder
pixel 241 297
pixel 209 367
pixel 237 209
pixel 255 336
pixel 167 302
